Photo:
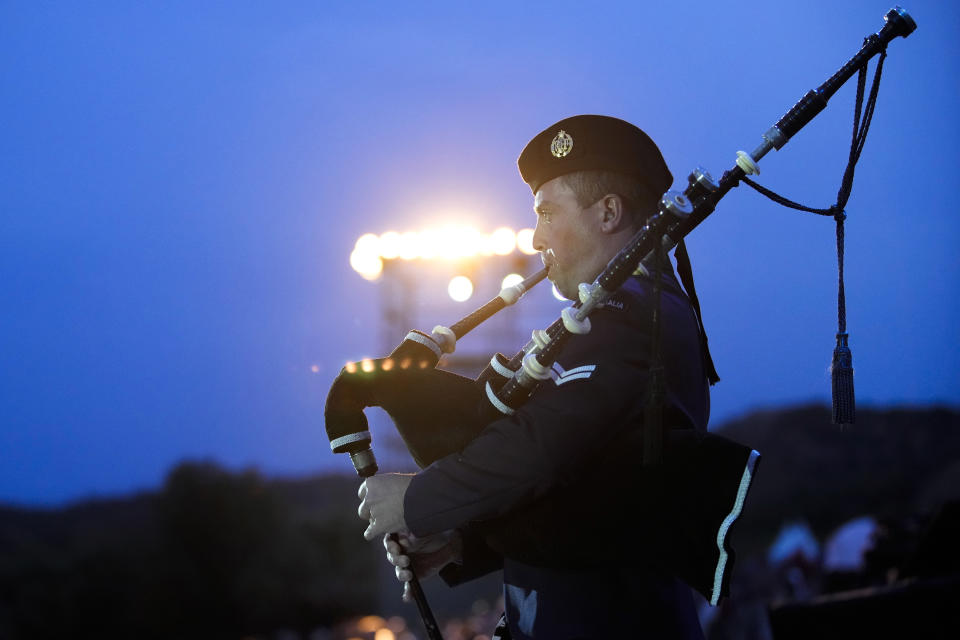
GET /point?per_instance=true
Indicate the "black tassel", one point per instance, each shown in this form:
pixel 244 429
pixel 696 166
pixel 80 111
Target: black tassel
pixel 841 374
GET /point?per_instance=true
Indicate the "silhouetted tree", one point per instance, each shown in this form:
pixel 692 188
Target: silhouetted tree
pixel 214 555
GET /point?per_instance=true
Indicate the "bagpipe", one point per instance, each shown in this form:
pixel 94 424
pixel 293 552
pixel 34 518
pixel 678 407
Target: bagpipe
pixel 696 483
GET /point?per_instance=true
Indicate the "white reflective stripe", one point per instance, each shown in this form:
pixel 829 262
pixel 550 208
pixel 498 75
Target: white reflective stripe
pixel 745 481
pixel 560 370
pixel 567 378
pixel 577 373
pixel 495 401
pixel 499 368
pixel 425 341
pixel 353 437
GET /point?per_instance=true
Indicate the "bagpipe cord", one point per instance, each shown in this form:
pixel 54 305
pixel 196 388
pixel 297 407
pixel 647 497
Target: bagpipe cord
pixel 841 368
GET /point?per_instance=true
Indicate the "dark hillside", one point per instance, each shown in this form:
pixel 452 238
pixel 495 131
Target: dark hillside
pixel 213 554
pixel 220 554
pixel 892 463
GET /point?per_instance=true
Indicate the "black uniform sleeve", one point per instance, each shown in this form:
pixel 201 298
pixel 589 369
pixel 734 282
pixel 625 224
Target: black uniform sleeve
pixel 478 559
pixel 594 393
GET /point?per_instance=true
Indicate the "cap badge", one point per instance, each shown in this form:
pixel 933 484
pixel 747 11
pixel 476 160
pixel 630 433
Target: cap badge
pixel 562 144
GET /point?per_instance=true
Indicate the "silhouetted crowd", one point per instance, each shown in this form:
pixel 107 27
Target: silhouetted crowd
pixel 870 577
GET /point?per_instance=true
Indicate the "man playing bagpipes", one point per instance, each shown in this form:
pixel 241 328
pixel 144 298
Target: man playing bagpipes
pixel 548 493
pixel 586 471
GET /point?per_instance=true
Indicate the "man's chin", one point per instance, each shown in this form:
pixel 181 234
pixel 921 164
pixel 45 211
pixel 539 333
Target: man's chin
pixel 565 293
pixel 553 281
pixel 553 277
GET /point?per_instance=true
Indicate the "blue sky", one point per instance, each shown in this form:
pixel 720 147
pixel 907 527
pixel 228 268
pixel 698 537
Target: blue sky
pixel 181 185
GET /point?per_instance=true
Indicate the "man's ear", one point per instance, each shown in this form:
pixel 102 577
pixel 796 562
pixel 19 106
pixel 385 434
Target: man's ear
pixel 613 216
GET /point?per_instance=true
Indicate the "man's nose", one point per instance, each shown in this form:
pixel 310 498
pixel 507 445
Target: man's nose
pixel 537 241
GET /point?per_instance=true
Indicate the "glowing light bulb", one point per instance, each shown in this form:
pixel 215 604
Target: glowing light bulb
pixel 389 245
pixel 409 245
pixel 462 242
pixel 511 280
pixel 368 243
pixel 452 242
pixel 370 624
pixel 525 241
pixel 431 243
pixel 503 241
pixel 367 264
pixel 460 288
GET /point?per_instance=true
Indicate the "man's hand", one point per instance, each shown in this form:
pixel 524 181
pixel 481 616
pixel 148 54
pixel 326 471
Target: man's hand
pixel 427 555
pixel 381 502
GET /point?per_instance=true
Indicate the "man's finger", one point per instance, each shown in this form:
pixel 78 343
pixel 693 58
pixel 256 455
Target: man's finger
pixel 371 532
pixel 410 543
pixel 391 545
pixel 362 491
pixel 398 560
pixel 363 511
pixel 407 594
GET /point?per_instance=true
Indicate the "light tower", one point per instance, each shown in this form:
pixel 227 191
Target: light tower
pixel 437 276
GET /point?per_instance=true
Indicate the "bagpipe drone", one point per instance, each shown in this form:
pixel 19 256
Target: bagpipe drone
pixel 694 482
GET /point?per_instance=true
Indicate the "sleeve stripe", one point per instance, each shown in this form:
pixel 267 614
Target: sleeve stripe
pixel 568 377
pixel 745 481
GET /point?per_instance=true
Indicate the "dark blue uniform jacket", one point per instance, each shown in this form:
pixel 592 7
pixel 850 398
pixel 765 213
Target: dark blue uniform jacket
pixel 540 455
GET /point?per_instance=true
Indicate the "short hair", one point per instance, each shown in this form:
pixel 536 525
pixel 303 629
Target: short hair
pixel 589 186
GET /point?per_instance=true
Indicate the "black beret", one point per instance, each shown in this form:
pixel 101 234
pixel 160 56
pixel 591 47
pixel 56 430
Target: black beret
pixel 587 142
